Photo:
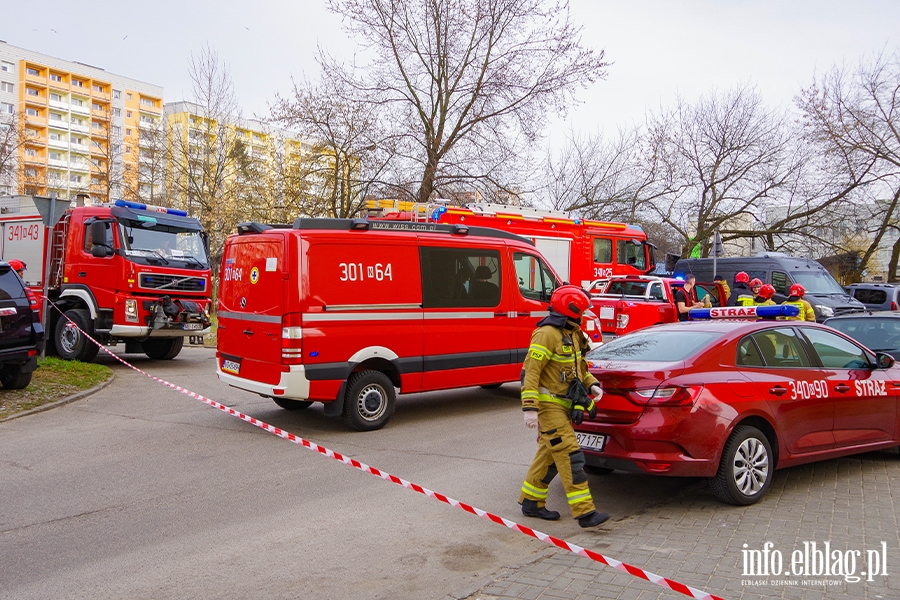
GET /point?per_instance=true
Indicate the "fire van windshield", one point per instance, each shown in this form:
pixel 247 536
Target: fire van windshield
pixel 162 244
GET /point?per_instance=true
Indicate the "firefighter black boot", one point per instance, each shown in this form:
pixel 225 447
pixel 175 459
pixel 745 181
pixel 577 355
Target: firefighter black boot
pixel 530 509
pixel 592 519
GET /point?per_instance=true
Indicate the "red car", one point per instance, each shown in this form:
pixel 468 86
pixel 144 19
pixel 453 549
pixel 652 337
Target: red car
pixel 733 401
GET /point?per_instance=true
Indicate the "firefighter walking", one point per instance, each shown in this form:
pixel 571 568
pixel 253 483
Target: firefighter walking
pixel 555 381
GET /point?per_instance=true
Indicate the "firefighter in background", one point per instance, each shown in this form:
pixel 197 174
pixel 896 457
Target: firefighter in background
pixel 764 295
pixel 553 373
pixel 18 266
pixel 721 281
pixel 741 294
pixel 807 313
pixel 755 284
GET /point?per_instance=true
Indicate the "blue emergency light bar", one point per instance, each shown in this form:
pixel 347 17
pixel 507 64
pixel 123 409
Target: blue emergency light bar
pixel 745 312
pixel 151 207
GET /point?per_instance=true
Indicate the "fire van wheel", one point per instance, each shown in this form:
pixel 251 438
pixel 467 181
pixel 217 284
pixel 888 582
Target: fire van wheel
pixel 71 344
pixel 369 402
pixel 14 378
pixel 292 404
pixel 746 470
pixel 163 348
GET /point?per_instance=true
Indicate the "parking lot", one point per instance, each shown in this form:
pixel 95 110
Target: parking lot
pixel 139 491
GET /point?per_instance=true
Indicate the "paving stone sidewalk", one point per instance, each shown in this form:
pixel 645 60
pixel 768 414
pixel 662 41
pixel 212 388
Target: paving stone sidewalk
pixel 695 540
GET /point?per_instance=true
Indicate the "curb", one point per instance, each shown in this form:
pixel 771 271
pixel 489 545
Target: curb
pixel 66 400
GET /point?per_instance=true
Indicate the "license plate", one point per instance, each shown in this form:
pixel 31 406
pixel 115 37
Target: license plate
pixel 607 313
pixel 231 366
pixel 591 441
pixel 188 326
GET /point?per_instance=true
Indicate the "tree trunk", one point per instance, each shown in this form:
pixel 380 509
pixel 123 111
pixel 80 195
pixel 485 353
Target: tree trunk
pixel 895 258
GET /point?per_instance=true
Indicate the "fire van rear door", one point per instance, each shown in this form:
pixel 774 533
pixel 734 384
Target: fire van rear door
pixel 250 304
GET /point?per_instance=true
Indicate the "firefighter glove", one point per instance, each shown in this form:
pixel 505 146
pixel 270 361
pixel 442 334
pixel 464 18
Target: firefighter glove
pixel 531 419
pixel 578 410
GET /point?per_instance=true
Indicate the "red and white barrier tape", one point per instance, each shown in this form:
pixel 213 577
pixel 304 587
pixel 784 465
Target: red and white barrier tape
pixel 559 543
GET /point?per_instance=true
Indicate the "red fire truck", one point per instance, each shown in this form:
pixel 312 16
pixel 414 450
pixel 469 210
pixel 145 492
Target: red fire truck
pixel 580 250
pixel 122 271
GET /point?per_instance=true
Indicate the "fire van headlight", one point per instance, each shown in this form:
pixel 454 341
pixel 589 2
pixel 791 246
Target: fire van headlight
pixel 131 314
pixel 824 311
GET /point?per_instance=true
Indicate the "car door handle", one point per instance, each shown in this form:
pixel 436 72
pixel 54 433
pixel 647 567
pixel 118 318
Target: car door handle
pixel 841 387
pixel 248 332
pixel 778 390
pixel 501 314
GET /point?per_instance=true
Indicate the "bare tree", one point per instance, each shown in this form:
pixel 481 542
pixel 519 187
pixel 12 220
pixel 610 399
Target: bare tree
pixel 854 117
pixel 207 165
pixel 468 83
pixel 107 166
pixel 347 149
pixel 12 138
pixel 724 160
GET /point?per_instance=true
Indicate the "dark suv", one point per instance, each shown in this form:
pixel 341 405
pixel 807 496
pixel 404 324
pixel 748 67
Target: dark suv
pixel 21 333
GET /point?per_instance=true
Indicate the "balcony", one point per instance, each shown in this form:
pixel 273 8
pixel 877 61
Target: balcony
pixel 36 140
pixel 35 121
pixel 57 124
pixel 80 128
pixel 79 148
pixel 61 144
pixel 37 80
pixel 100 115
pixel 37 160
pixel 79 165
pixel 60 104
pixel 60 163
pixel 84 109
pixel 32 100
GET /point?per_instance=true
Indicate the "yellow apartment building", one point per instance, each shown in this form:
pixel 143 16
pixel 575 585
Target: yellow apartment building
pixel 83 127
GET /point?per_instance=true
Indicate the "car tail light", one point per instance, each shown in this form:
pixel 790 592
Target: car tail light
pixel 893 305
pixel 667 396
pixel 621 320
pixel 32 299
pixel 291 339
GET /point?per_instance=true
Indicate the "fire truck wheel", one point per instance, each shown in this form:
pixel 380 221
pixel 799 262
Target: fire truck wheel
pixel 71 344
pixel 13 378
pixel 292 404
pixel 369 402
pixel 163 348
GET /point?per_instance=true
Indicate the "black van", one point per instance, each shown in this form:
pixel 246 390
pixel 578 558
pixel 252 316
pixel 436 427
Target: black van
pixel 781 270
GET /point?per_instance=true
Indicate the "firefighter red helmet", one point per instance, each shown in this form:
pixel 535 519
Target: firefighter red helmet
pixel 17 265
pixel 755 283
pixel 766 291
pixel 570 300
pixel 741 278
pixel 797 290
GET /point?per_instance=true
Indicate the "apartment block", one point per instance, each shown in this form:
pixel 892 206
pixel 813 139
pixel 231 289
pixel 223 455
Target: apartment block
pixel 84 128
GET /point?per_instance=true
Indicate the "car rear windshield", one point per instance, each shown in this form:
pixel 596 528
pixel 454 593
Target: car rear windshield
pixel 10 286
pixel 664 346
pixel 870 296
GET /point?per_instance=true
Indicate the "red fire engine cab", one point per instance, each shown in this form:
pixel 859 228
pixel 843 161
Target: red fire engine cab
pixel 580 250
pixel 122 271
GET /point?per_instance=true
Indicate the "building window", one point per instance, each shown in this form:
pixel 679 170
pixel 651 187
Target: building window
pixel 117 94
pixel 55 117
pixel 96 106
pixel 148 102
pixel 147 120
pixel 77 102
pixel 30 172
pixel 98 88
pixel 128 114
pixel 33 112
pixel 32 71
pixel 78 83
pixel 74 178
pixel 55 77
pixel 55 156
pixel 7 86
pixel 5 66
pixel 32 92
pixel 30 152
pixel 56 97
pixel 117 130
pixel 77 140
pixel 55 136
pixel 77 121
pixel 127 131
pixel 128 96
pixel 117 112
pixel 127 149
pixel 6 107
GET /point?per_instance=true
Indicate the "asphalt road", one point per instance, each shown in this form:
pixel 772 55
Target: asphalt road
pixel 138 491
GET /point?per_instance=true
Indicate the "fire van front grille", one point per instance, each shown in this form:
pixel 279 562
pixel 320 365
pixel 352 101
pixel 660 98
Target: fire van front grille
pixel 174 283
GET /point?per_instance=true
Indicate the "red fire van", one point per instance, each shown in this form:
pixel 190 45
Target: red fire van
pixel 343 311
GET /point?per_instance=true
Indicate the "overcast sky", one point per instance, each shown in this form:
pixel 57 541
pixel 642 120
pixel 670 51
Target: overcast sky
pixel 659 48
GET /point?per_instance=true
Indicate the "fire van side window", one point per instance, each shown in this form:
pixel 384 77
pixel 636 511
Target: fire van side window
pixel 536 281
pixel 87 238
pixel 460 277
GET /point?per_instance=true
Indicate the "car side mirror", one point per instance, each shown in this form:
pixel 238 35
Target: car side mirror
pixel 884 361
pixel 98 233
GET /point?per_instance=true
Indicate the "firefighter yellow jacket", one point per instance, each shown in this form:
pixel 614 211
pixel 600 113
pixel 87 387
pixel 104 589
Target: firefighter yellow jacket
pixel 550 365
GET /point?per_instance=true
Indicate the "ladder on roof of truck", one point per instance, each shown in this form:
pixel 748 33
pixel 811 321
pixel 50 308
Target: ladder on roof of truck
pixel 57 249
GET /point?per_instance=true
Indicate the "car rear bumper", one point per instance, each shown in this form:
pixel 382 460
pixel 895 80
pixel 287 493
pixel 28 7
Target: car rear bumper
pixel 293 384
